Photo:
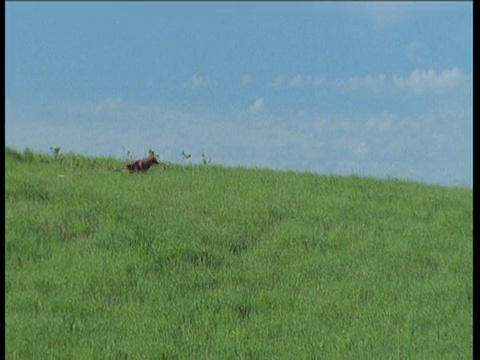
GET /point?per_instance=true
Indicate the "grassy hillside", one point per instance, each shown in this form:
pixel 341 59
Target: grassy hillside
pixel 202 262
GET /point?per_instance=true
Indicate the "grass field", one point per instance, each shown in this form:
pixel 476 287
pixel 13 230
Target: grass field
pixel 208 262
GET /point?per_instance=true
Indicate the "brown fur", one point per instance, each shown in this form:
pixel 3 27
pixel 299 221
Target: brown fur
pixel 141 165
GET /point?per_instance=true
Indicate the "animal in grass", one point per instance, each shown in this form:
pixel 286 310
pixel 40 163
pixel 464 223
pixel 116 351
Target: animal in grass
pixel 141 165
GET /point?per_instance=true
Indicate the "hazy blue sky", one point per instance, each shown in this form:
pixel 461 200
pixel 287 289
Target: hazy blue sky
pixel 377 88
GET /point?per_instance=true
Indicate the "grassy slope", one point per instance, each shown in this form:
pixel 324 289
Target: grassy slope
pixel 210 262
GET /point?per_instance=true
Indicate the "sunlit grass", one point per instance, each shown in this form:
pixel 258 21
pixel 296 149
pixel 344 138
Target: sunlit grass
pixel 211 262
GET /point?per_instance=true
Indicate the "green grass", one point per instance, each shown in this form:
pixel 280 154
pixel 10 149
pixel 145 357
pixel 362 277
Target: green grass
pixel 207 262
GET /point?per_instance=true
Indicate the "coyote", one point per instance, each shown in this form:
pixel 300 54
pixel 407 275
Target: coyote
pixel 141 165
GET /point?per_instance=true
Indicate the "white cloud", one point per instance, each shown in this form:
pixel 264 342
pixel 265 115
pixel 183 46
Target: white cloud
pixel 362 149
pixel 298 81
pixel 108 104
pixel 385 144
pixel 301 81
pixel 418 82
pixel 198 81
pixel 422 81
pixel 385 13
pixel 257 106
pixel 383 123
pixel 370 83
pixel 246 79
